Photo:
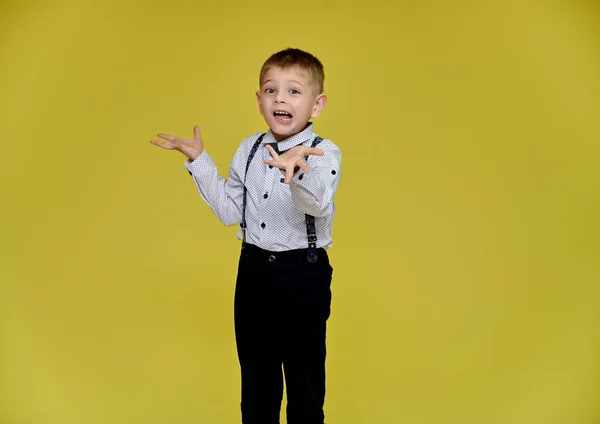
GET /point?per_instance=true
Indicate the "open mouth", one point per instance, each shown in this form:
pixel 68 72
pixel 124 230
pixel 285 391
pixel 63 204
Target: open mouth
pixel 282 116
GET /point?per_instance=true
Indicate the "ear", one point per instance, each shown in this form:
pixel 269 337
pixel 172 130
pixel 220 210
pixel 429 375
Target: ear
pixel 259 103
pixel 320 103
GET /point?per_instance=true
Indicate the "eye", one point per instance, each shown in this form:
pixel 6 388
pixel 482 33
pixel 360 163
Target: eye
pixel 294 91
pixel 270 90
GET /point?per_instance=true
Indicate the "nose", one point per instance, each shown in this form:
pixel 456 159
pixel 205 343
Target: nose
pixel 279 97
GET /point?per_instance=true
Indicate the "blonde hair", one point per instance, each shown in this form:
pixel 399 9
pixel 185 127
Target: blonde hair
pixel 294 58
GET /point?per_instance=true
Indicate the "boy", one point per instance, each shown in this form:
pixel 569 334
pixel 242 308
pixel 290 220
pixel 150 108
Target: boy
pixel 285 210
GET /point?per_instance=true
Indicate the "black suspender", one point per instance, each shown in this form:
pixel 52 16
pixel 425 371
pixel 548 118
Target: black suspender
pixel 250 156
pixel 311 232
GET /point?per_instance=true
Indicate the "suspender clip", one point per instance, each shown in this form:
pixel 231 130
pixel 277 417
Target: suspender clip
pixel 312 256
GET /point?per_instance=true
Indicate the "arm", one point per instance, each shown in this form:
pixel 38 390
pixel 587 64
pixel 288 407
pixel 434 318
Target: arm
pixel 223 196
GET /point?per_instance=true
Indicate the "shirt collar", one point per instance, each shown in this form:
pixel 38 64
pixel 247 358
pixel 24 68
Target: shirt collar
pixel 295 140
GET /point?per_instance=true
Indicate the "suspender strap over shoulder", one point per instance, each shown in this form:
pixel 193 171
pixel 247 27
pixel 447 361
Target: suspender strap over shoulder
pixel 250 156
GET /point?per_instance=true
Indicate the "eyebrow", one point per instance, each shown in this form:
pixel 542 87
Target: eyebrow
pixel 297 82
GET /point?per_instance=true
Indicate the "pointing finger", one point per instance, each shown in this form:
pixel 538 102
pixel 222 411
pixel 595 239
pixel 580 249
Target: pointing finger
pixel 196 132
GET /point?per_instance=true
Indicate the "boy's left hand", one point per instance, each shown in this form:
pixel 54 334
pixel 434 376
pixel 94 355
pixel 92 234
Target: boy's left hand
pixel 292 160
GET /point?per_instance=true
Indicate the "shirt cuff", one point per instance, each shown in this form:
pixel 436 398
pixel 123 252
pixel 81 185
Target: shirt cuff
pixel 203 161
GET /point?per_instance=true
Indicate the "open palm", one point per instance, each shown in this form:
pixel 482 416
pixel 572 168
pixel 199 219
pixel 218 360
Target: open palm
pixel 192 148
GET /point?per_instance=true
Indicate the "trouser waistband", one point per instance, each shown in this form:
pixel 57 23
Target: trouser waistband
pixel 295 255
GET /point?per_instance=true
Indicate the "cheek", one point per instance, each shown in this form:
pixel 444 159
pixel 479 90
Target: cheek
pixel 309 109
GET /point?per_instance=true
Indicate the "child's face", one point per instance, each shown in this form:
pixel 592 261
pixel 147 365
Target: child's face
pixel 287 99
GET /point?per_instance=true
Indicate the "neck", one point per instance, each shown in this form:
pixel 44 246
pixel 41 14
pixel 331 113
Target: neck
pixel 279 138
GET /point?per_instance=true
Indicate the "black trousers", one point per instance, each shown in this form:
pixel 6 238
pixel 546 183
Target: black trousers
pixel 282 303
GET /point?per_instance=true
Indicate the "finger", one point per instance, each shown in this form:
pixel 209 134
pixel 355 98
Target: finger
pixel 303 165
pixel 315 151
pixel 162 144
pixel 273 153
pixel 197 133
pixel 289 173
pixel 273 163
pixel 166 136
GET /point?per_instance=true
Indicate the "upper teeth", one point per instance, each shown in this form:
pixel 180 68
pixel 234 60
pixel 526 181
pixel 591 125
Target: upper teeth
pixel 278 112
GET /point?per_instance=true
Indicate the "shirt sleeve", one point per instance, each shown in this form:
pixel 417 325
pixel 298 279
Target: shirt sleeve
pixel 313 192
pixel 224 196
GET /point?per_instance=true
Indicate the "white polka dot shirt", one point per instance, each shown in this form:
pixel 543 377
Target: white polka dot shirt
pixel 275 211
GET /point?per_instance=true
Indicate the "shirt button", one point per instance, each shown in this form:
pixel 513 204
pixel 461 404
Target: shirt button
pixel 333 172
pixel 266 195
pixel 281 180
pixel 263 225
pixel 270 166
pixel 300 176
pixel 271 258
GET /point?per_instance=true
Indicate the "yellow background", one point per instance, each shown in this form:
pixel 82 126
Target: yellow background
pixel 467 236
